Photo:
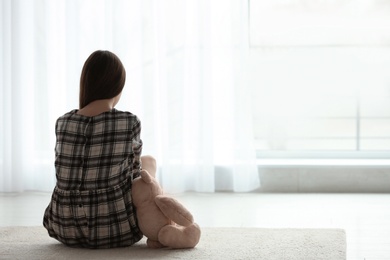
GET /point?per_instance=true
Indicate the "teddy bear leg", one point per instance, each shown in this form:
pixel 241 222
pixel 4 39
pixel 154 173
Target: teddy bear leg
pixel 179 237
pixel 153 243
pixel 174 210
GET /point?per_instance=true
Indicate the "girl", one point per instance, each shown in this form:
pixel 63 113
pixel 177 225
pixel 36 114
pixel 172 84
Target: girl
pixel 97 156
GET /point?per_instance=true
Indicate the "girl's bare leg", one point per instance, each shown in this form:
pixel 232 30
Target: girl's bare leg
pixel 149 164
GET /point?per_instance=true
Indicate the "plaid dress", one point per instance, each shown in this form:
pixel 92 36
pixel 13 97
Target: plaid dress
pixel 96 160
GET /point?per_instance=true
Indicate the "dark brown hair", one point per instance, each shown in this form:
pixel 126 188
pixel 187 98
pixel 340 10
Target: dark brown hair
pixel 103 77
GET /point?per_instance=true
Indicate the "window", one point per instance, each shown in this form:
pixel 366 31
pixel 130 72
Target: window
pixel 320 72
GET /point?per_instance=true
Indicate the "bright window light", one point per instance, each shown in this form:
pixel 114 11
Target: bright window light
pixel 320 74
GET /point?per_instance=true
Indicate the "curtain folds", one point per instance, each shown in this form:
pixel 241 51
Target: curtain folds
pixel 186 64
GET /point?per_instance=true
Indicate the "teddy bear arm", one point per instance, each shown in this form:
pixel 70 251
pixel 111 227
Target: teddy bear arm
pixel 174 210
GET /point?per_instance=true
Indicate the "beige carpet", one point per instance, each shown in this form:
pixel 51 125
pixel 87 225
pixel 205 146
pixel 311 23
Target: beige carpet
pixel 216 243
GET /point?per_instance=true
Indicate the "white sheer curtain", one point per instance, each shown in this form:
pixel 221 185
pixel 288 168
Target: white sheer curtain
pixel 186 80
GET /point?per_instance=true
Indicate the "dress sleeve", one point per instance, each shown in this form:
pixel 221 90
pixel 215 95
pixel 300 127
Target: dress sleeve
pixel 137 148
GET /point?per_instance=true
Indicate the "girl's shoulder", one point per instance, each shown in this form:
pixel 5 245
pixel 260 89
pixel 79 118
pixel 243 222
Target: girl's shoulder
pixel 118 115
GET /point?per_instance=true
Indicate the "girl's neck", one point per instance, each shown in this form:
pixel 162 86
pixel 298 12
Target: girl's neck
pixel 97 107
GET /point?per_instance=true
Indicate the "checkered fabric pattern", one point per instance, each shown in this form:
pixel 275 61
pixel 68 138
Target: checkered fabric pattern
pixel 96 160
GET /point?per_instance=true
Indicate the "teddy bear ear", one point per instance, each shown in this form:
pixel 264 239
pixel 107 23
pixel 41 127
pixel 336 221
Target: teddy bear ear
pixel 146 177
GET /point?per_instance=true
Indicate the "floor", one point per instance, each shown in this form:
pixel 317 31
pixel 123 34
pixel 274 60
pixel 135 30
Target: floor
pixel 365 217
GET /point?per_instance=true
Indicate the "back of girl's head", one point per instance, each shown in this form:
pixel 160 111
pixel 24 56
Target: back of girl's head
pixel 103 77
